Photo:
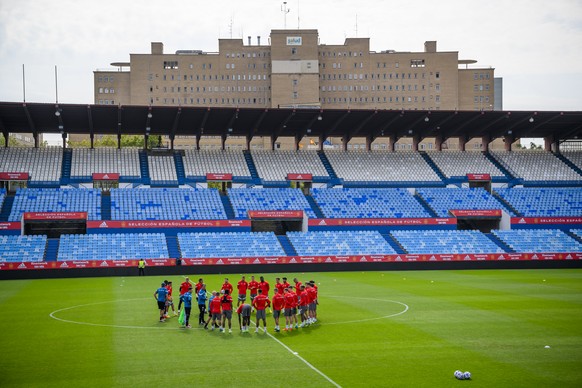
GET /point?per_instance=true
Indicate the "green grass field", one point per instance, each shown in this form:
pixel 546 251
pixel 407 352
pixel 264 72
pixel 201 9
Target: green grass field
pixel 376 329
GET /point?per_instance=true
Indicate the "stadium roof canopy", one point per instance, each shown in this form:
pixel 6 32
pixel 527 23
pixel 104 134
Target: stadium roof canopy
pixel 18 117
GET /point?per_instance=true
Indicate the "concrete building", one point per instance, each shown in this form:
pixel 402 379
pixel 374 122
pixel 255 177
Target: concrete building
pixel 293 69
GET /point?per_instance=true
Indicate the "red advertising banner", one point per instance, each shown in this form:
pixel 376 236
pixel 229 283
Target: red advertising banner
pixel 10 225
pixel 476 213
pixel 300 177
pixel 101 176
pixel 14 176
pixel 55 216
pixel 381 221
pixel 138 224
pixel 275 213
pixel 218 177
pixel 479 177
pixel 85 264
pixel 294 260
pixel 545 220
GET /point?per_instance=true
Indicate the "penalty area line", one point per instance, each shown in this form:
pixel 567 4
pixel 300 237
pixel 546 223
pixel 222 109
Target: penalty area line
pixel 302 359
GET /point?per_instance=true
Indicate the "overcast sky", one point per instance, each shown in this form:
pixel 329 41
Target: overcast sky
pixel 535 45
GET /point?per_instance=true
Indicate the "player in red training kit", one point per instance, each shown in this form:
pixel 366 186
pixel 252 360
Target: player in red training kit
pixel 198 286
pixel 226 305
pixel 169 299
pixel 264 285
pixel 186 284
pixel 290 309
pixel 285 284
pixel 261 302
pixel 297 286
pixel 312 295
pixel 303 306
pixel 280 287
pixel 278 306
pixel 227 286
pixel 242 287
pixel 253 287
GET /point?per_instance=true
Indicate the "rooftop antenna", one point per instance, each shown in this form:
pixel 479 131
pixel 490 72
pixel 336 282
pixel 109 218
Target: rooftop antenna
pixel 56 86
pixel 298 20
pixel 230 26
pixel 23 85
pixel 285 11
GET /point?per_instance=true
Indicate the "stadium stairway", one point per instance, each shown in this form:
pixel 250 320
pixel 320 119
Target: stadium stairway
pixel 6 207
pixel 180 170
pixel 173 247
pixel 499 243
pixel 426 206
pixel 393 243
pixel 500 166
pixel 66 167
pixel 568 163
pixel 286 244
pixel 52 249
pixel 227 206
pixel 433 165
pixel 144 168
pixel 573 235
pixel 105 206
pixel 314 206
pixel 252 166
pixel 328 168
pixel 506 204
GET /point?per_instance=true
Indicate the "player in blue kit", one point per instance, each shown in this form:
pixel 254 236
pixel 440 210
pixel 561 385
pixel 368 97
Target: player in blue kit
pixel 161 295
pixel 187 300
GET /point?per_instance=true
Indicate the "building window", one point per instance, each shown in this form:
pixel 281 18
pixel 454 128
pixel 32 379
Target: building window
pixel 437 75
pixel 295 95
pixel 417 63
pixel 170 65
pixel 293 50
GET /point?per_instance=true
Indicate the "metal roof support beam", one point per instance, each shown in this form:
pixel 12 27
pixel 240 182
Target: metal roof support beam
pixel 175 127
pixel 90 125
pixel 201 128
pixel 119 126
pixel 255 127
pixel 363 123
pixel 345 137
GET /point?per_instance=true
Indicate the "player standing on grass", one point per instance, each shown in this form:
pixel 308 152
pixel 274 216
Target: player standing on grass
pixel 214 307
pixel 264 286
pixel 202 295
pixel 186 284
pixel 160 295
pixel 198 286
pixel 312 295
pixel 285 284
pixel 261 302
pixel 227 286
pixel 278 305
pixel 297 286
pixel 279 287
pixel 242 286
pixel 290 308
pixel 187 299
pixel 170 299
pixel 316 300
pixel 253 287
pixel 303 306
pixel 244 310
pixel 226 306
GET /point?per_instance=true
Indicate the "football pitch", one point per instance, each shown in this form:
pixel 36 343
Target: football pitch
pixel 509 328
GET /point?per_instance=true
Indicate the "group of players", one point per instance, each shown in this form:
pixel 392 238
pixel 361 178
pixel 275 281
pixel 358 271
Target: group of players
pixel 289 301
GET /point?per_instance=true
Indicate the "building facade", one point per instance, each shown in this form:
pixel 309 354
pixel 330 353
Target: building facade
pixel 295 70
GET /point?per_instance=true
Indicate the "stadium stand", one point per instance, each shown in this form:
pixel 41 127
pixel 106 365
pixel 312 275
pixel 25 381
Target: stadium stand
pixel 574 156
pixel 538 240
pixel 86 161
pixel 339 243
pixel 15 249
pixel 445 241
pixel 577 233
pixel 43 164
pixel 197 163
pixel 113 246
pixel 368 203
pixel 56 200
pixel 543 202
pixel 244 200
pixel 374 166
pixel 536 166
pixel 441 200
pixel 229 244
pixel 2 196
pixel 166 204
pixel 275 165
pixel 461 163
pixel 162 170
